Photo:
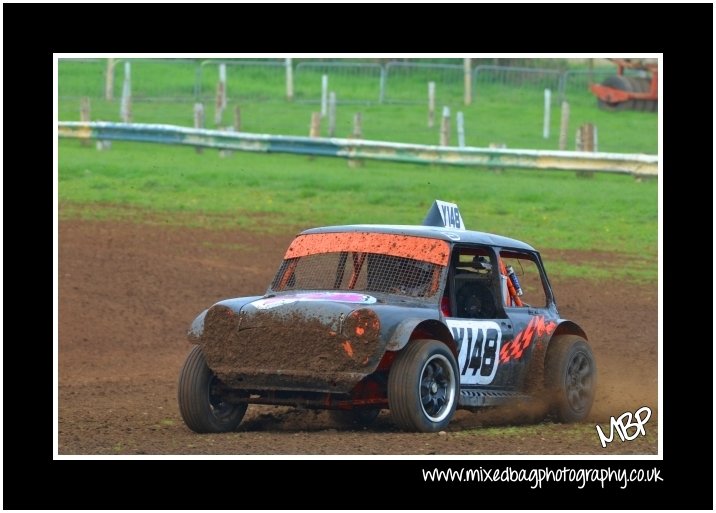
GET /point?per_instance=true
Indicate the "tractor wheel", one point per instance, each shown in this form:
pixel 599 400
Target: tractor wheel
pixel 647 105
pixel 641 85
pixel 623 84
pixel 423 386
pixel 200 402
pixel 570 375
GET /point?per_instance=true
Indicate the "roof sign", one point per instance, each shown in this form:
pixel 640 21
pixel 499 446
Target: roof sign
pixel 444 214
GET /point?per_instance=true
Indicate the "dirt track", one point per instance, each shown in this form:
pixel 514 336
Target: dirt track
pixel 127 293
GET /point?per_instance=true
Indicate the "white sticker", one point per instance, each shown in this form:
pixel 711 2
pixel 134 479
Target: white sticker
pixel 341 297
pixel 479 343
pixel 450 214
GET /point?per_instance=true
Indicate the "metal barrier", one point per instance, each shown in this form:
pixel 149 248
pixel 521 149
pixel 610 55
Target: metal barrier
pixel 637 165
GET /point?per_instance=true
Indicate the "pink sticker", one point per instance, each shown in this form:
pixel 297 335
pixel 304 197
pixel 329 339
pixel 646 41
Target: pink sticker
pixel 341 297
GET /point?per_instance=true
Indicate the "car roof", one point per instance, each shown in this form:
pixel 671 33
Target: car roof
pixel 433 232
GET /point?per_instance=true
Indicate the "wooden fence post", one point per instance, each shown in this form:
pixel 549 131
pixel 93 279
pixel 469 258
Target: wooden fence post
pixel 125 108
pixel 332 114
pixel 109 80
pixel 431 104
pixel 103 145
pixel 199 121
pixel 324 96
pixel 445 127
pixel 586 141
pixel 227 153
pixel 237 119
pixel 220 96
pixel 468 81
pixel 236 127
pixel 460 129
pixel 358 126
pixel 357 134
pixel 85 117
pixel 497 170
pixel 564 126
pixel 315 129
pixel 547 112
pixel 289 79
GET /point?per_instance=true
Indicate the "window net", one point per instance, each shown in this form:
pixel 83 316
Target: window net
pixel 366 272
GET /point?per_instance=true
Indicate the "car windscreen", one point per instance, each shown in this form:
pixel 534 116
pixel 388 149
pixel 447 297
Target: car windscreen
pixel 367 262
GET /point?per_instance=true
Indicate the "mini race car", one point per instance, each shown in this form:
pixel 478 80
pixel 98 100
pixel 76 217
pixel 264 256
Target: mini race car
pixel 417 319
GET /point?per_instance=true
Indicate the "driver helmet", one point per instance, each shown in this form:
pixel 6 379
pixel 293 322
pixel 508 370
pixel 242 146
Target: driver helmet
pixel 481 263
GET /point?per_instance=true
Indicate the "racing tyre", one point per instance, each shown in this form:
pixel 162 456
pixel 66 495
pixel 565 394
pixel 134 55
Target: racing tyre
pixel 423 386
pixel 357 418
pixel 570 378
pixel 200 403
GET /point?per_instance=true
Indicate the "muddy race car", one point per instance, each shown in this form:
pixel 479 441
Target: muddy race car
pixel 417 319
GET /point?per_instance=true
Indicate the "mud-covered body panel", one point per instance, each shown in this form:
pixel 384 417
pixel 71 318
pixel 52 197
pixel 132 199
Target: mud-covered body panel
pixel 304 345
pixel 299 345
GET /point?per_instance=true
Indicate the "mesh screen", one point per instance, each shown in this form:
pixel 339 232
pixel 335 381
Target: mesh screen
pixel 368 272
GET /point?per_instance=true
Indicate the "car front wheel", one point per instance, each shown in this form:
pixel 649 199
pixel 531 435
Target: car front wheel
pixel 201 404
pixel 423 386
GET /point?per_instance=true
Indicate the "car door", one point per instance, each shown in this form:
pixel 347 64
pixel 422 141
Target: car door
pixel 529 307
pixel 477 320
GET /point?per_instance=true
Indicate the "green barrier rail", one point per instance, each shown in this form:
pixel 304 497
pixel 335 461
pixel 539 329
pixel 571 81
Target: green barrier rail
pixel 637 165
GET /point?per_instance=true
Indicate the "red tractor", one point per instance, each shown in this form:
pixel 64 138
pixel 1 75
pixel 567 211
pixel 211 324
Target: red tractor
pixel 621 92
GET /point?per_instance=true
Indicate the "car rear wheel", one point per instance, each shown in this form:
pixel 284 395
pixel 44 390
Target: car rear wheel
pixel 423 386
pixel 201 404
pixel 570 377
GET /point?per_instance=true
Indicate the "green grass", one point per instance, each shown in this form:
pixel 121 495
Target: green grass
pixel 549 209
pixel 283 192
pixel 644 272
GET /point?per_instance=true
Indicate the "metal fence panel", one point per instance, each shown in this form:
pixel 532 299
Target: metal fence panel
pixel 352 82
pixel 514 84
pixel 256 80
pixel 158 79
pixel 151 79
pixel 77 82
pixel 407 82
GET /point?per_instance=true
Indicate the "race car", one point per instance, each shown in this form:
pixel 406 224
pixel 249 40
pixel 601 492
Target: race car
pixel 420 320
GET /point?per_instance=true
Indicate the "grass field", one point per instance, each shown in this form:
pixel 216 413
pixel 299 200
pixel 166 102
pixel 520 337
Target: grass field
pixel 283 192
